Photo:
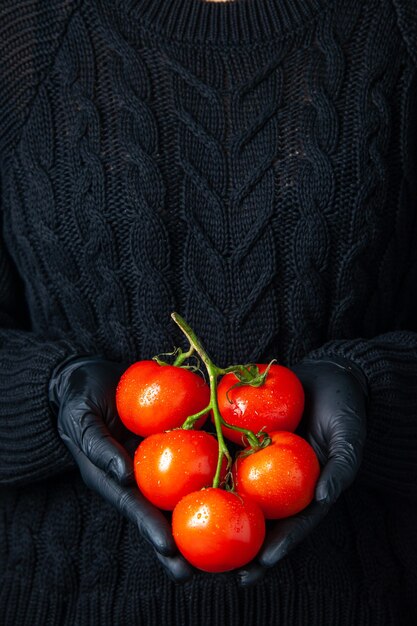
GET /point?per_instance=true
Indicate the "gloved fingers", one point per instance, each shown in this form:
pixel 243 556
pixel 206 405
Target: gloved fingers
pixel 94 439
pixel 177 568
pixel 338 473
pixel 151 523
pixel 345 451
pixel 287 533
pixel 251 574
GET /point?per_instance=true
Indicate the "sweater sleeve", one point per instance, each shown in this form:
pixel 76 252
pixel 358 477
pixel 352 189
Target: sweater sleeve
pixel 389 362
pixel 30 446
pixel 31 32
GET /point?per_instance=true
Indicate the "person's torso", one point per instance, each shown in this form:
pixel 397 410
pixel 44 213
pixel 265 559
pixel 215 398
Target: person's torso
pixel 262 192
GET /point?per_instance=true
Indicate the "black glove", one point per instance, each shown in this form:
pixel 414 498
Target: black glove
pixel 334 423
pixel 82 393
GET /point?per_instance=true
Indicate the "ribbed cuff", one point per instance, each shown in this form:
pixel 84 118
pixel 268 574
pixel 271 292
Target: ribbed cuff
pixel 389 363
pixel 30 446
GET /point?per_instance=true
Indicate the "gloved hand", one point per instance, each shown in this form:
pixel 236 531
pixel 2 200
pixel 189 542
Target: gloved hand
pixel 334 424
pixel 82 394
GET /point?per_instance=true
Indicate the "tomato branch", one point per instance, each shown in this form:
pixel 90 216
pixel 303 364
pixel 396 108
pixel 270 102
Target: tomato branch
pixel 247 374
pixel 251 437
pixel 192 419
pixel 183 356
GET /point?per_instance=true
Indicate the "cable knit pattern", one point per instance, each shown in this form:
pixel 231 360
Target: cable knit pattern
pixel 251 165
pixel 89 202
pixel 316 189
pixel 227 200
pixel 351 290
pixel 37 53
pixel 406 10
pixel 147 241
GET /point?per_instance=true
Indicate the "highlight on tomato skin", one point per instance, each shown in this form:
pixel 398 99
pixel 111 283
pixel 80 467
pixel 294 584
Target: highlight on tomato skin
pixel 170 465
pixel 218 530
pixel 277 404
pixel 281 477
pixel 152 398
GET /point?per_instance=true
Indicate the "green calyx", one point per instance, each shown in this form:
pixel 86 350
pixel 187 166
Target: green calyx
pixel 179 358
pixel 247 375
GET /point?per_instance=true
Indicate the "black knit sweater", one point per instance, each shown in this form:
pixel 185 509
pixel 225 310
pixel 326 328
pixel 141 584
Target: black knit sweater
pixel 251 165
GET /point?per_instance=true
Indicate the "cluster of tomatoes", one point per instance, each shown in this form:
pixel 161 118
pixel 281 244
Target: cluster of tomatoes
pixel 218 505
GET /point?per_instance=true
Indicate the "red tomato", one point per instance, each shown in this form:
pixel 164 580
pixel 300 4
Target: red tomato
pixel 281 478
pixel 151 398
pixel 217 530
pixel 170 465
pixel 278 404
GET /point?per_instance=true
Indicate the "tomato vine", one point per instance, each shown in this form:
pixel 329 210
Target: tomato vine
pixel 246 375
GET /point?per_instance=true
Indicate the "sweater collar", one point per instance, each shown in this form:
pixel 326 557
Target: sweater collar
pixel 230 22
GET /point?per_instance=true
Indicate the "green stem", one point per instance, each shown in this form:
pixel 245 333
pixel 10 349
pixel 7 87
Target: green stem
pixel 213 373
pixel 251 437
pixel 232 369
pixel 192 419
pixel 223 451
pixel 193 340
pixel 183 356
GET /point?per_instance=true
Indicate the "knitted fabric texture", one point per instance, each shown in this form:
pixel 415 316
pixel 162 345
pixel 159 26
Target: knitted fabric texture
pixel 250 164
